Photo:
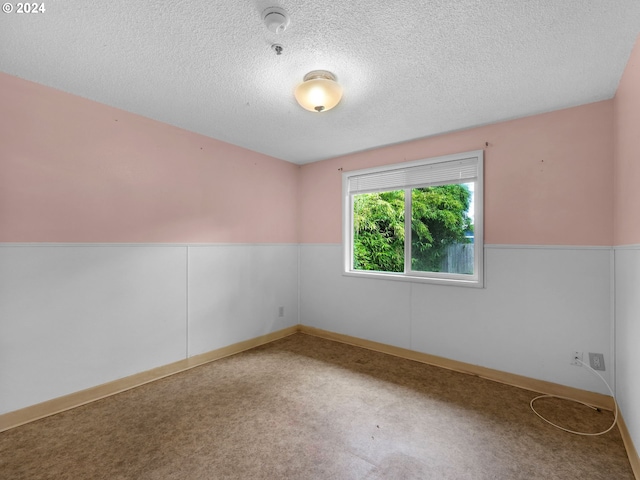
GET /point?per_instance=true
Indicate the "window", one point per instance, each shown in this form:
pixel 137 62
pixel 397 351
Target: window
pixel 419 221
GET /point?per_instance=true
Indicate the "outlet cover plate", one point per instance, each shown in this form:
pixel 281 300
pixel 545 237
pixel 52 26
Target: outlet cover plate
pixel 596 360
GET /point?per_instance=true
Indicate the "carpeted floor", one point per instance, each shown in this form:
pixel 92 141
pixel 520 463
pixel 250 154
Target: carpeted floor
pixel 307 408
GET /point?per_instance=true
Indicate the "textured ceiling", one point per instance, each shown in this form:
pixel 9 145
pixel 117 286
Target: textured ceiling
pixel 409 68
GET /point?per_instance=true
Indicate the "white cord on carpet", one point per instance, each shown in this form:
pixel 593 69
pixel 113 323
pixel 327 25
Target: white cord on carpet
pixel 615 404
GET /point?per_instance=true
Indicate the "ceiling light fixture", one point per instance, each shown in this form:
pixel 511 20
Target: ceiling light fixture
pixel 319 91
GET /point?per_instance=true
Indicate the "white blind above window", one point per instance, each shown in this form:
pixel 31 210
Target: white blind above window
pixel 439 173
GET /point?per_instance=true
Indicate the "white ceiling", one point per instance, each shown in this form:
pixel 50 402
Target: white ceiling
pixel 409 68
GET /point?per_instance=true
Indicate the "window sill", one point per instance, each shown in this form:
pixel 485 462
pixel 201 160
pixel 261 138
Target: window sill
pixel 401 277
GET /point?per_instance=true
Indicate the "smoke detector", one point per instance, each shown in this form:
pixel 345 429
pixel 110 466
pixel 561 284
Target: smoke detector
pixel 276 19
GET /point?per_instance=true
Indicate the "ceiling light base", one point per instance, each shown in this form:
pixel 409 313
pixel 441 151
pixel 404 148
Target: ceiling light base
pixel 319 74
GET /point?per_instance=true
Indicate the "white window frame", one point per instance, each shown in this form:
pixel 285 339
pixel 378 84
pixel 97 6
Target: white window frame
pixel 442 278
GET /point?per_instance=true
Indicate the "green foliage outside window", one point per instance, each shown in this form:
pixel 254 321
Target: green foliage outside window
pixel 439 219
pixel 378 220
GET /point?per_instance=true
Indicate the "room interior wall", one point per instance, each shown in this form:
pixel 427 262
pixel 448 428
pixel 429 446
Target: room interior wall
pixel 627 241
pixel 127 244
pixel 548 178
pixel 129 195
pixel 78 171
pixel 548 236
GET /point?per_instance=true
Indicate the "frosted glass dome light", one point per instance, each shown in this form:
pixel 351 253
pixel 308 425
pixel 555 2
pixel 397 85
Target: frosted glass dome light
pixel 319 91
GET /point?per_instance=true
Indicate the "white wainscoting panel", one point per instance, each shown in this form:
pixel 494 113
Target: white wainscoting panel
pixel 627 261
pixel 235 292
pixel 76 316
pixel 539 304
pixel 372 309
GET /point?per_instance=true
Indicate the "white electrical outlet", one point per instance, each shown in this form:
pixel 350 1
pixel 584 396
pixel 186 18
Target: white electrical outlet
pixel 576 358
pixel 280 311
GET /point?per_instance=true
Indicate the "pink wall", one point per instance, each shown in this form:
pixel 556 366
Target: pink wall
pixel 548 178
pixel 627 153
pixel 72 170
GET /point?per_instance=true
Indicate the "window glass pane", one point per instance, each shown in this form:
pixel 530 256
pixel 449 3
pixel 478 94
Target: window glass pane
pixel 378 231
pixel 442 238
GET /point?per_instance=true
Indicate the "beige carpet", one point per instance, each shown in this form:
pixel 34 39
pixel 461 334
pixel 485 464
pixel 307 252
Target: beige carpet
pixel 308 408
